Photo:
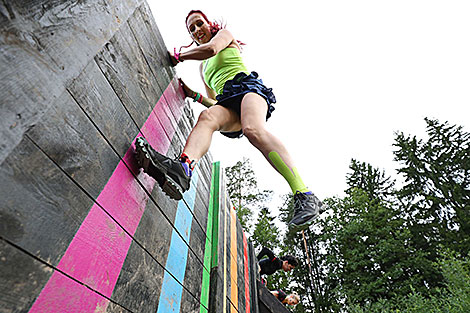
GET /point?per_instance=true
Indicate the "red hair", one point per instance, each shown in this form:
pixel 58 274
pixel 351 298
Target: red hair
pixel 214 26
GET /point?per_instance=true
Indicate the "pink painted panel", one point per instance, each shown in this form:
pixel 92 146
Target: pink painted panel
pixel 99 248
pixel 62 287
pixel 174 95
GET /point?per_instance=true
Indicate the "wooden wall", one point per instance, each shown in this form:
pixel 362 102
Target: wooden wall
pixel 233 266
pixel 82 229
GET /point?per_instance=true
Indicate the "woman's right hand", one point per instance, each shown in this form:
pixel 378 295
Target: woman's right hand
pixel 173 60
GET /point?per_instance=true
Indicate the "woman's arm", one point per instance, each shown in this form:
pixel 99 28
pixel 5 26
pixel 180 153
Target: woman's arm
pixel 275 293
pixel 280 295
pixel 207 102
pixel 219 42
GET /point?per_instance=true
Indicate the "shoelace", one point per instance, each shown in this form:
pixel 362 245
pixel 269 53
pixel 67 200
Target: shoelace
pixel 298 203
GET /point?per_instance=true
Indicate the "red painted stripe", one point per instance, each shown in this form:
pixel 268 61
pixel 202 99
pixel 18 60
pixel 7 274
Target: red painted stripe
pixel 247 276
pixel 99 248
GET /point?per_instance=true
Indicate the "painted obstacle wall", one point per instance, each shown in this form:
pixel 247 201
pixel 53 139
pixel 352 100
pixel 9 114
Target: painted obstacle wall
pixel 230 262
pixel 81 228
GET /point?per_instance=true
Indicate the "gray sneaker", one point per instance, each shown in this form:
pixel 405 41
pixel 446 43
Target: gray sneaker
pixel 171 175
pixel 307 208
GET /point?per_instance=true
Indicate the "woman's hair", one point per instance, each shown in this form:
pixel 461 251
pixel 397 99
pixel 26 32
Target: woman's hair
pixel 296 297
pixel 214 26
pixel 290 259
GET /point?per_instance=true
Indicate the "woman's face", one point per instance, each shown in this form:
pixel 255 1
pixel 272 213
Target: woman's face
pixel 291 300
pixel 199 28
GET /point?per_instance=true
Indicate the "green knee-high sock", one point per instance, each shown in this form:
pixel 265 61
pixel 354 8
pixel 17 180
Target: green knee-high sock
pixel 291 175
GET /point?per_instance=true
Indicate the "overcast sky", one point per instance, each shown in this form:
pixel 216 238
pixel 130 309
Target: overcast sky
pixel 346 74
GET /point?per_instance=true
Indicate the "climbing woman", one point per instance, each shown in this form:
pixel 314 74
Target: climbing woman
pixel 238 104
pixel 292 299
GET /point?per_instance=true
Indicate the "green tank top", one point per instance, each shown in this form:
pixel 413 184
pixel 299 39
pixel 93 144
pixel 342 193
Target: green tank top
pixel 222 67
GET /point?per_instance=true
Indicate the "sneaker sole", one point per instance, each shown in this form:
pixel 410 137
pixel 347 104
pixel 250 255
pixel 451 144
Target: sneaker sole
pixel 168 185
pixel 172 189
pixel 297 228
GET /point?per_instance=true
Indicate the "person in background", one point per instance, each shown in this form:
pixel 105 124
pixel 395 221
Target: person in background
pixel 292 299
pixel 271 264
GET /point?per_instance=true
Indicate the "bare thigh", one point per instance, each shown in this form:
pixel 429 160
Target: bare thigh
pixel 253 112
pixel 223 119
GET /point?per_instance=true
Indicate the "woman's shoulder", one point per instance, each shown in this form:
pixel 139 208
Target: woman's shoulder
pixel 228 35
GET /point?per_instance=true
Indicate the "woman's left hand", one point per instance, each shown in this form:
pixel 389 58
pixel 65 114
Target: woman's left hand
pixel 187 91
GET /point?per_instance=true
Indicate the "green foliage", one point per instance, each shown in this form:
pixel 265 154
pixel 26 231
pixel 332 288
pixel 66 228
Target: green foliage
pixel 377 248
pixel 380 248
pixel 454 298
pixel 265 234
pixel 372 181
pixel 437 185
pixel 307 280
pixel 242 187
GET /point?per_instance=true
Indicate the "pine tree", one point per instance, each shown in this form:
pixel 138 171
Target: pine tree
pixel 437 186
pixel 266 233
pixel 242 186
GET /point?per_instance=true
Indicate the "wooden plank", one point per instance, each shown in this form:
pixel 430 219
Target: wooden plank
pixel 206 285
pixel 24 96
pixel 240 268
pixel 44 45
pixel 174 96
pixel 126 70
pixel 216 295
pixel 19 266
pixel 94 95
pixel 233 256
pixel 268 303
pixel 254 277
pixel 71 140
pixel 198 233
pixel 32 206
pixel 139 284
pixel 218 284
pixel 156 226
pixel 227 253
pixel 16 268
pixel 193 282
pixel 246 267
pixel 151 43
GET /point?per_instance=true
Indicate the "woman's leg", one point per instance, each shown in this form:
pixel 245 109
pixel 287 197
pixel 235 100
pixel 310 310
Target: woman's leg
pixel 174 176
pixel 253 119
pixel 307 207
pixel 216 118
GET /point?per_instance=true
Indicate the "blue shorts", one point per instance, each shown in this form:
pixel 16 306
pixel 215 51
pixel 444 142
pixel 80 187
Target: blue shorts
pixel 234 91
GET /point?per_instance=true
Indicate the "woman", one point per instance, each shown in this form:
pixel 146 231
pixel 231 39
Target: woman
pixel 292 299
pixel 238 104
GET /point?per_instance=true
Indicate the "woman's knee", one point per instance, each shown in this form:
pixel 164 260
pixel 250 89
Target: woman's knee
pixel 208 118
pixel 255 135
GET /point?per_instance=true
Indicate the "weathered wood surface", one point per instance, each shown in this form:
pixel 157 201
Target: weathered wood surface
pixel 254 277
pixel 17 268
pixel 268 303
pixel 139 283
pixel 39 41
pixel 40 218
pixel 78 82
pixel 228 290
